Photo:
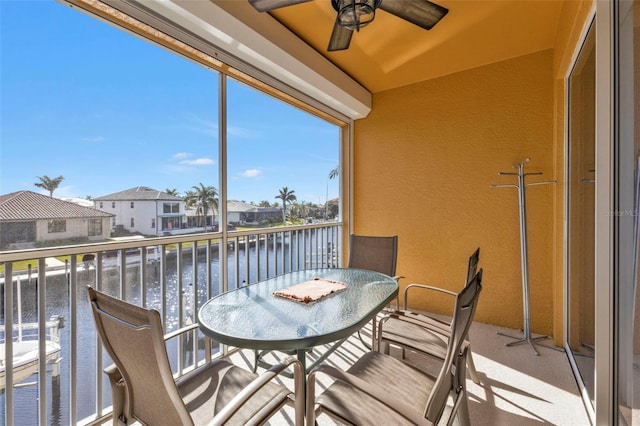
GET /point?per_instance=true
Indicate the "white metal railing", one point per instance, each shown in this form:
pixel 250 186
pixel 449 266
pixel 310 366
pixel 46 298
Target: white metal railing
pixel 173 274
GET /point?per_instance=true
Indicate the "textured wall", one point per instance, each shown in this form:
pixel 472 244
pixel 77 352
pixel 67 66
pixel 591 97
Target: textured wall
pixel 424 160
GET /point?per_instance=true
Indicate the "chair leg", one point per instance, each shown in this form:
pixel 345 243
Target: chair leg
pixel 373 333
pixel 461 404
pixel 472 369
pixel 370 346
pixel 256 360
pixel 366 345
pixel 463 412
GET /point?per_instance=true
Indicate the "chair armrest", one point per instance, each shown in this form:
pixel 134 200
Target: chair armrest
pixel 243 396
pixel 180 331
pixel 424 287
pixel 375 392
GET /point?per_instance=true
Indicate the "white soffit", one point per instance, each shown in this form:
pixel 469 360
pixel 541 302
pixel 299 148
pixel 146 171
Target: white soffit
pixel 299 66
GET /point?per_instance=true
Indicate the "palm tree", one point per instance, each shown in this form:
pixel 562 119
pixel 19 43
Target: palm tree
pixel 204 198
pixel 49 184
pixel 286 196
pixel 334 173
pixel 172 191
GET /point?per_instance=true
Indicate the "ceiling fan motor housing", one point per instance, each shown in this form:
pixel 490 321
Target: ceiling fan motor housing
pixel 355 14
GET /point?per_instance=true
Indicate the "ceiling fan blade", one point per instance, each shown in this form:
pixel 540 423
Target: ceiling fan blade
pixel 340 37
pixel 267 5
pixel 423 13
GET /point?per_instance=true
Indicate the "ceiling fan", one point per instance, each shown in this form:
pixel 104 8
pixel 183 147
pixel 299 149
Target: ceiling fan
pixel 355 14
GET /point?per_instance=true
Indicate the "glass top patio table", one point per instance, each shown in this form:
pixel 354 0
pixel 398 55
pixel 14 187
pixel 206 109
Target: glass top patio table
pixel 253 317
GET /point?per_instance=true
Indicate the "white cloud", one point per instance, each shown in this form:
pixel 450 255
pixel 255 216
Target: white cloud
pixel 251 173
pixel 180 155
pixel 94 139
pixel 198 162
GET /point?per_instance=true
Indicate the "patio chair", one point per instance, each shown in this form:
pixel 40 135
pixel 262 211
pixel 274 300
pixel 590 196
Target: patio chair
pixel 423 332
pixel 382 390
pixel 143 385
pixel 374 253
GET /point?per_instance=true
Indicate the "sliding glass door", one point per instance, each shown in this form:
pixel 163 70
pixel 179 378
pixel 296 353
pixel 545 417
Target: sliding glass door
pixel 581 178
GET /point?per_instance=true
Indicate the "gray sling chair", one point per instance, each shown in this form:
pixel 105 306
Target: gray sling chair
pixel 374 253
pixel 215 393
pixel 420 331
pixel 380 389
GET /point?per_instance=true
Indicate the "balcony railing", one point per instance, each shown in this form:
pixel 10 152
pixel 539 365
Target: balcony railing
pixel 173 274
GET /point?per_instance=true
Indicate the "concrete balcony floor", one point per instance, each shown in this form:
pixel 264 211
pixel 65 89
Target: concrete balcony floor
pixel 518 388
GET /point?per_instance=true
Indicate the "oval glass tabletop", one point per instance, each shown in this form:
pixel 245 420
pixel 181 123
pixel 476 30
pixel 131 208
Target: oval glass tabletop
pixel 253 317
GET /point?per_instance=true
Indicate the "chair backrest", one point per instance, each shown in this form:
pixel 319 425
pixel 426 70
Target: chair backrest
pixel 453 365
pixel 472 266
pixel 134 338
pixel 375 253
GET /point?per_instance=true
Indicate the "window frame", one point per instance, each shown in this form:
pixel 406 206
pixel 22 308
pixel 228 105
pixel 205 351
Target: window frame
pixel 56 226
pixel 92 225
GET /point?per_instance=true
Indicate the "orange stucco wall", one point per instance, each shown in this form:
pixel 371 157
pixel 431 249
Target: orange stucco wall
pixel 423 163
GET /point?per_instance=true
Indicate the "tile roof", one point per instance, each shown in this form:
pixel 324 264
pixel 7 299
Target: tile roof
pixel 28 205
pixel 139 193
pixel 240 206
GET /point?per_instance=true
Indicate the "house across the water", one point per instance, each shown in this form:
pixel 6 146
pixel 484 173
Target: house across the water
pixel 28 219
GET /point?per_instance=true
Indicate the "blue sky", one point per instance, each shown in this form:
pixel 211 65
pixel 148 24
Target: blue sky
pixel 109 111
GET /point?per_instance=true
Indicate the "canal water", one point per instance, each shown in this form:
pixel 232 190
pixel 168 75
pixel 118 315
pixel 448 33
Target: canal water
pixel 58 299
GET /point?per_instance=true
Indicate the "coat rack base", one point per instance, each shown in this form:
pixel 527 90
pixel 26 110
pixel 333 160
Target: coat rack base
pixel 528 338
